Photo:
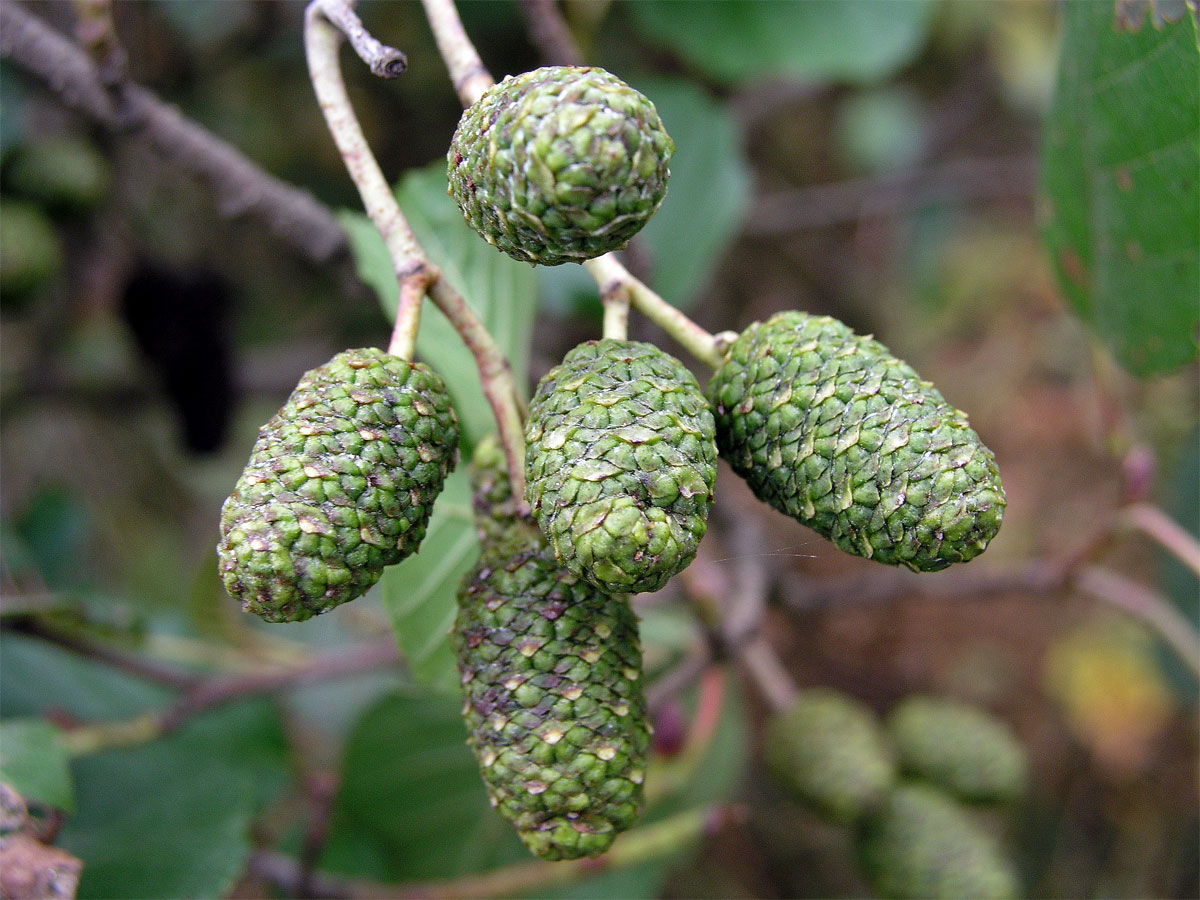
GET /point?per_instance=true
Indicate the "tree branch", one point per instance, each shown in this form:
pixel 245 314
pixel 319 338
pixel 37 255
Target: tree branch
pixel 132 663
pixel 215 692
pixel 1041 576
pixel 1165 531
pixel 467 71
pixel 1142 603
pixel 549 32
pixel 240 186
pixel 610 276
pixel 384 61
pixel 202 695
pixel 821 205
pixel 640 845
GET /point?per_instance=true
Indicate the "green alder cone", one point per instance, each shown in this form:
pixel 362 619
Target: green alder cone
pixel 340 484
pixel 831 429
pixel 960 748
pixel 552 673
pixel 831 753
pixel 923 846
pixel 561 164
pixel 621 462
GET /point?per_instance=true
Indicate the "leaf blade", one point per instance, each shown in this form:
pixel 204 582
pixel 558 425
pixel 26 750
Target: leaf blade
pixel 34 761
pixel 737 40
pixel 1119 184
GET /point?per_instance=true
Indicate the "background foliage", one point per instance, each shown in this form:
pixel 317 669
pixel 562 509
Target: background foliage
pixel 897 165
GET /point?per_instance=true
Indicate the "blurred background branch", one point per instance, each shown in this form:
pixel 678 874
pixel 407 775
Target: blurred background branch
pixel 239 186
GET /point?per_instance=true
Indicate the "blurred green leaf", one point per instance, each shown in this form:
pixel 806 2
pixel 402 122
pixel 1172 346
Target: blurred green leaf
pixel 502 291
pixel 739 40
pixel 419 594
pixel 56 530
pixel 881 129
pixel 166 819
pixel 1120 180
pixel 34 761
pixel 412 804
pixel 709 191
pixel 38 677
pixel 172 818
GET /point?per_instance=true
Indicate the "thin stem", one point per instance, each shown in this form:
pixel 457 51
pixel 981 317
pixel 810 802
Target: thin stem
pixel 608 273
pixel 206 694
pixel 762 663
pixel 408 314
pixel 321 40
pixel 131 663
pixel 1147 605
pixel 678 773
pixel 496 376
pixel 550 32
pixel 467 71
pixel 616 312
pixel 384 61
pixel 410 262
pixel 216 692
pixel 1169 534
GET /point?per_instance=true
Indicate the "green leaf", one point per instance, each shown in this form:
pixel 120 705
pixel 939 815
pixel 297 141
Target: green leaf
pixel 738 40
pixel 172 818
pixel 708 194
pixel 37 677
pixel 166 819
pixel 412 805
pixel 502 291
pixel 34 761
pixel 419 594
pixel 1121 187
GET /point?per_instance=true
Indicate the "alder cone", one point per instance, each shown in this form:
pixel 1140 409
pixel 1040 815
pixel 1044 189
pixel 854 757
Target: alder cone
pixel 340 483
pixel 830 428
pixel 621 462
pixel 552 675
pixel 960 748
pixel 922 845
pixel 561 164
pixel 831 753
